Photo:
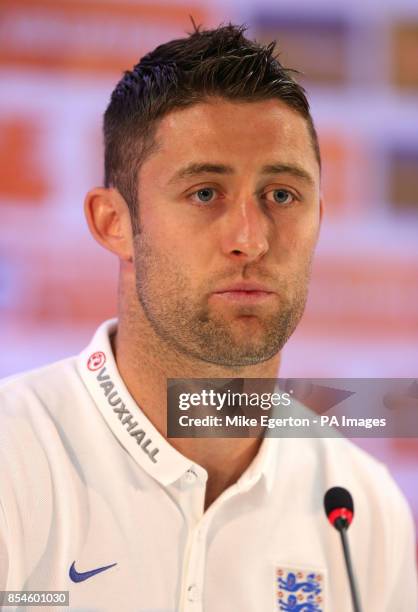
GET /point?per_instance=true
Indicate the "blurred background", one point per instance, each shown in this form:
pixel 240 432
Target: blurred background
pixel 59 61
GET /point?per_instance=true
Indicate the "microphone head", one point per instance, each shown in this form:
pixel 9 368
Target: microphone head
pixel 339 504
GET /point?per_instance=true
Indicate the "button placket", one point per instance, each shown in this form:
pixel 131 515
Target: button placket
pixel 193 496
pixel 194 571
pixel 193 593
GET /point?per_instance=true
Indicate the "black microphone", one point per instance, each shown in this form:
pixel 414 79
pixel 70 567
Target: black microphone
pixel 339 508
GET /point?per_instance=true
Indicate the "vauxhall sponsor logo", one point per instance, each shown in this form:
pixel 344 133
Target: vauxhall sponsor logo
pixel 125 416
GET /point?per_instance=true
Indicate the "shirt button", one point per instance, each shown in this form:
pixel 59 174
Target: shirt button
pixel 190 476
pixel 193 592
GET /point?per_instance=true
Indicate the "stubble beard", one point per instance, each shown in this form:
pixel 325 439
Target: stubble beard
pixel 190 327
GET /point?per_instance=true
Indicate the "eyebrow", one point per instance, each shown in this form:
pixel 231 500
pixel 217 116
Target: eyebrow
pixel 196 169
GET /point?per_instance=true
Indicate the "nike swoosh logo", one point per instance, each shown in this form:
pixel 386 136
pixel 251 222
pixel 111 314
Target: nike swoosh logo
pixel 81 576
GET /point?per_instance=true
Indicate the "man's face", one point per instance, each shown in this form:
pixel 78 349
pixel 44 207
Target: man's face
pixel 229 213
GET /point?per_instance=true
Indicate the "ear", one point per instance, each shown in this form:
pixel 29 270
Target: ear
pixel 109 221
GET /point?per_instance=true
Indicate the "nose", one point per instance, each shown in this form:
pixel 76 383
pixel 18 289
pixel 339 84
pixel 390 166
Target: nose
pixel 244 234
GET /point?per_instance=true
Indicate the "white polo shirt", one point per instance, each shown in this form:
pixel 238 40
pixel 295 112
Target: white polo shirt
pixel 95 501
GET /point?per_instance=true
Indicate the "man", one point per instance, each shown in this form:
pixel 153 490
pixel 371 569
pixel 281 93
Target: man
pixel 212 205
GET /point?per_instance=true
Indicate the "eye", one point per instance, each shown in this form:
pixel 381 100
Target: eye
pixel 282 196
pixel 204 195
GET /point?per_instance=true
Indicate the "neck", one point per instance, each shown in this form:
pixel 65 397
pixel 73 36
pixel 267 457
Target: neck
pixel 145 363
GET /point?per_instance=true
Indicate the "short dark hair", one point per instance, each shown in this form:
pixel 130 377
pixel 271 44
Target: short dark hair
pixel 221 62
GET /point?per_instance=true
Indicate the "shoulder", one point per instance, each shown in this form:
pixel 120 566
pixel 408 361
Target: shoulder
pixel 338 461
pixel 317 464
pixel 39 409
pixel 347 463
pixel 27 397
pixel 37 374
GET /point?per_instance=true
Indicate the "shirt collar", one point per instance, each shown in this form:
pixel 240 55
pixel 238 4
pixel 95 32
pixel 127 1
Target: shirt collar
pixel 98 370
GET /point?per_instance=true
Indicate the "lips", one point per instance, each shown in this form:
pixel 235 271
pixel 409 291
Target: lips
pixel 245 287
pixel 245 293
